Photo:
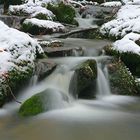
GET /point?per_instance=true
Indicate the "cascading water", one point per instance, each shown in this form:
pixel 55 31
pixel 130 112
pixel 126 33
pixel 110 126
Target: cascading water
pixel 104 118
pixel 103 88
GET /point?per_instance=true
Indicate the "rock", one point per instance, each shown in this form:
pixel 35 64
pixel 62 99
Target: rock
pixel 40 27
pixel 84 79
pixel 89 33
pixel 131 60
pixel 18 52
pixel 62 51
pixel 121 80
pixel 54 43
pixel 44 67
pixel 12 21
pixel 97 12
pixel 49 99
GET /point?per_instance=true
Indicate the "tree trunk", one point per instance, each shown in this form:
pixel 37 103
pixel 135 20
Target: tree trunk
pixel 6 6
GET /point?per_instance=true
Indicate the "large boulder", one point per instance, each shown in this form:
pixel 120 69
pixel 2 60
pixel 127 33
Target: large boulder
pixel 36 27
pixel 84 80
pixel 128 50
pixel 47 100
pixel 17 52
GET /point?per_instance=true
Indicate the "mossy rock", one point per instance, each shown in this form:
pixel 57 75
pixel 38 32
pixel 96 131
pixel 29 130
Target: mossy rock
pixel 11 83
pixel 35 29
pixel 33 105
pixel 84 79
pixel 64 13
pixel 41 102
pixel 131 60
pixel 121 80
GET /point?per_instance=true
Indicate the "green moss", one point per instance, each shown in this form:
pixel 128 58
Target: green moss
pixel 41 16
pixel 12 82
pixel 122 80
pixel 34 29
pixel 131 60
pixel 33 105
pixel 64 13
pixel 86 73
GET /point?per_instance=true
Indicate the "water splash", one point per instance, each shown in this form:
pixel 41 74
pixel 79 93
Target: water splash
pixel 103 87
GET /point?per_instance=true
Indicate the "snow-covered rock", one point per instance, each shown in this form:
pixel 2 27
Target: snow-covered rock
pixel 17 54
pixel 30 9
pixel 127 20
pixel 112 4
pixel 128 44
pixel 36 26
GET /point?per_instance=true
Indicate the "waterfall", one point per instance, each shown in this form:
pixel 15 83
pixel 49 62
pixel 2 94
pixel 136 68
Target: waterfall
pixel 103 87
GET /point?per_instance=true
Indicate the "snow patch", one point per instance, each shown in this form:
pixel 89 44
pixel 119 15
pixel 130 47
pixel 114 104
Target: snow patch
pixel 56 27
pixel 16 47
pixel 112 4
pixel 127 44
pixel 127 20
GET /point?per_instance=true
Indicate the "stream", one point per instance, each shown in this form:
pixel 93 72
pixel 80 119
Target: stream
pixel 108 117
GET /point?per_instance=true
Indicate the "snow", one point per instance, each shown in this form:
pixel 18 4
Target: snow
pixel 16 47
pixel 46 12
pixel 131 1
pixel 112 4
pixel 30 9
pixel 127 44
pixel 56 27
pixel 127 20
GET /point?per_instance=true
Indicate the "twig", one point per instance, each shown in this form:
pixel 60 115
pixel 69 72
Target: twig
pixel 13 95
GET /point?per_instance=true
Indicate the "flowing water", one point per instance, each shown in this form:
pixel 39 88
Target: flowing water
pixel 109 117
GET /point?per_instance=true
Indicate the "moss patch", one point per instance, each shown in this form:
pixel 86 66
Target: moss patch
pixel 33 105
pixel 122 81
pixel 64 13
pixel 85 78
pixel 131 60
pixel 35 30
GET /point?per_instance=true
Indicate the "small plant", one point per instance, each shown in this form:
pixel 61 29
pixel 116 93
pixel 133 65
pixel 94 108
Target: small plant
pixel 64 13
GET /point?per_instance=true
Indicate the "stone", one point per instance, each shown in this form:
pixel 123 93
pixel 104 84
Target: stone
pixel 84 79
pixel 121 80
pixel 131 60
pixel 62 51
pixel 54 43
pixel 47 100
pixel 43 68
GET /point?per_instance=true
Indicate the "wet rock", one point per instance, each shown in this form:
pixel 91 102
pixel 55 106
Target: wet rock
pixel 62 51
pixel 84 80
pixel 43 68
pixel 12 21
pixel 97 12
pixel 121 80
pixel 51 44
pixel 47 100
pixel 89 33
